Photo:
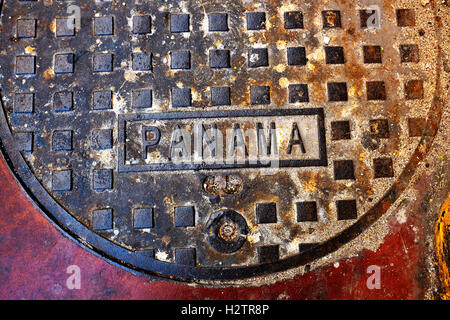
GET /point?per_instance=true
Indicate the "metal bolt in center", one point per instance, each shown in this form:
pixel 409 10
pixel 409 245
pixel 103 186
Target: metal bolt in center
pixel 228 231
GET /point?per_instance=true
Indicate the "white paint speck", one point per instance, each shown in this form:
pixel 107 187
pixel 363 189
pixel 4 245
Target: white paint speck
pixel 254 57
pixel 401 216
pixel 161 255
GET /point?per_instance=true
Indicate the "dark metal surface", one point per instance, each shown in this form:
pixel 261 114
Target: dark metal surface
pixel 89 110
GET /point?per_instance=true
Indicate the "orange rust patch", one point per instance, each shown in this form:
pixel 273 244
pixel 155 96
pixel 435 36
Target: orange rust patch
pixel 166 239
pixel 442 236
pixel 355 71
pixel 53 25
pixel 331 17
pixel 49 74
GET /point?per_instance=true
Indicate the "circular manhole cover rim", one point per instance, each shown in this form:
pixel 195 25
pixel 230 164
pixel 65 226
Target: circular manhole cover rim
pixel 137 261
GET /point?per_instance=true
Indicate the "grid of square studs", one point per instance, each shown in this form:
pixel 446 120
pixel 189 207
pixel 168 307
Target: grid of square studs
pixel 409 53
pixel 307 211
pixel 375 91
pixel 257 57
pixel 343 169
pixel 378 129
pixel 102 219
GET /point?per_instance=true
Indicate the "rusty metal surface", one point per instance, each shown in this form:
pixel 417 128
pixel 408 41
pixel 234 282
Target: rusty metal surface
pixel 366 101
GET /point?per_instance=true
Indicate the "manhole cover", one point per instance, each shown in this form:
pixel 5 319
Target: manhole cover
pixel 202 141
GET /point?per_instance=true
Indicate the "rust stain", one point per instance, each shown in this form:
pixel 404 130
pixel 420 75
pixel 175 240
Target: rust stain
pixel 53 25
pixel 49 74
pixel 30 50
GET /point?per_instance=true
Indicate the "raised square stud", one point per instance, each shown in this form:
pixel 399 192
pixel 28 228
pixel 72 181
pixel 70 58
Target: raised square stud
pixel 220 96
pixel 293 20
pixel 306 211
pixel 23 103
pixel 376 90
pixel 103 26
pixel 218 22
pixel 266 212
pixel 331 19
pixel 372 54
pixel 181 97
pixel 24 141
pixel 142 24
pixel 63 63
pixel 65 27
pixel 416 127
pixel 369 17
pixel 219 58
pixel 147 253
pixel 268 254
pixel 102 179
pixel 334 55
pixel 101 139
pixel 179 23
pixel 141 61
pixel 337 91
pixel 102 100
pixel 383 168
pixel 62 140
pixel 409 53
pixel 340 130
pixel 296 56
pixel 62 180
pixel 379 128
pixel 256 20
pixel 185 256
pixel 103 62
pixel 344 170
pixel 346 209
pixel 184 216
pixel 258 58
pixel 180 60
pixel 26 28
pixel 102 219
pixel 298 93
pixel 414 90
pixel 142 98
pixel 259 95
pixel 143 218
pixel 25 65
pixel 406 18
pixel 63 101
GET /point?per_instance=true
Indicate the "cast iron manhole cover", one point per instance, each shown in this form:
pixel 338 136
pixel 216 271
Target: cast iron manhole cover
pixel 209 141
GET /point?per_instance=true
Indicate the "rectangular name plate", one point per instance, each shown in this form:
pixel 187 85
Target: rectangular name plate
pixel 222 139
